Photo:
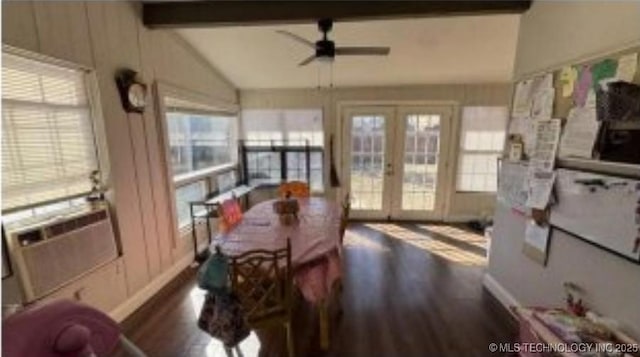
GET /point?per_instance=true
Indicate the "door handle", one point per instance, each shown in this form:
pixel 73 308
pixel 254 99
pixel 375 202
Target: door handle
pixel 389 169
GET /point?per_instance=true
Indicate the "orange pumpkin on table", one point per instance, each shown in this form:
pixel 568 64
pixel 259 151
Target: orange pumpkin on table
pixel 295 189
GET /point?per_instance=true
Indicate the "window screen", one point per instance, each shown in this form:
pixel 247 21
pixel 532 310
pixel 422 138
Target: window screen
pixel 481 142
pixel 48 146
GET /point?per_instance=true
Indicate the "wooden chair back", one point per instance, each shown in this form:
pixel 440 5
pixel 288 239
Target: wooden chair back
pixel 298 189
pixel 262 280
pixel 230 214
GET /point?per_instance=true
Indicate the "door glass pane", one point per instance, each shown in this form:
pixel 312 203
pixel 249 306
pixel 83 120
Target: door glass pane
pixel 420 169
pixel 367 161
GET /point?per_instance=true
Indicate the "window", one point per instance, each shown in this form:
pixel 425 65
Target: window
pixel 481 144
pixel 48 144
pixel 291 130
pixel 199 139
pixel 264 168
pixel 184 195
pixel 191 191
pixel 38 213
pixel 226 181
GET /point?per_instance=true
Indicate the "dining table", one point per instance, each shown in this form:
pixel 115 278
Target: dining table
pixel 315 247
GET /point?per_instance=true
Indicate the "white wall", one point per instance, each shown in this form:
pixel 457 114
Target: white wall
pixel 460 206
pixel 108 36
pixel 552 34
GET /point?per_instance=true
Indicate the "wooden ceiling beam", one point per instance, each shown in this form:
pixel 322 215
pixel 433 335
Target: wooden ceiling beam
pixel 185 14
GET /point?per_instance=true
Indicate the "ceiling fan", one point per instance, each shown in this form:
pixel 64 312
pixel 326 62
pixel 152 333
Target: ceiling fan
pixel 326 50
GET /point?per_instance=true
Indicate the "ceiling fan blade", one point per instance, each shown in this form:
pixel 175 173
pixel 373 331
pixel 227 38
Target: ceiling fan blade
pixel 307 61
pixel 297 38
pixel 362 51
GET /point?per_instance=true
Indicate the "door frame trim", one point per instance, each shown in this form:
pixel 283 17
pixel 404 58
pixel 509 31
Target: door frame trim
pixel 454 137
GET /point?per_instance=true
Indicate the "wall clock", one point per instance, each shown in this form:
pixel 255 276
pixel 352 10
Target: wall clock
pixel 133 93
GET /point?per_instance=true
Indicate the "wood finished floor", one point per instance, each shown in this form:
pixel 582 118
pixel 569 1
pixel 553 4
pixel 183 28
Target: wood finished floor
pixel 409 290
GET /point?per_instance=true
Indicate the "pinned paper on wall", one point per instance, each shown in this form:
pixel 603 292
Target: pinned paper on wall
pixel 522 99
pixel 525 128
pixel 512 191
pixel 602 70
pixel 542 104
pixel 542 96
pixel 627 66
pixel 581 90
pixel 547 136
pixel 568 77
pixel 529 136
pixel 541 83
pixel 516 126
pixel 539 186
pixel 580 133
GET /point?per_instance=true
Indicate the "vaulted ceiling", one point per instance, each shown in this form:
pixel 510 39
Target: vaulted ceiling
pixel 461 49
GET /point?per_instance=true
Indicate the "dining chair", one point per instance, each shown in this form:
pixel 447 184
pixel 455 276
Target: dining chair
pixel 230 214
pixel 297 189
pixel 263 282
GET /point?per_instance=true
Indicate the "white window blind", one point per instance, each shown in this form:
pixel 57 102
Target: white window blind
pixel 296 126
pixel 481 142
pixel 48 146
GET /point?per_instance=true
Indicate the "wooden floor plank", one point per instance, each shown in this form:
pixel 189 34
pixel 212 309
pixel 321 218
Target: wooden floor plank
pixel 409 290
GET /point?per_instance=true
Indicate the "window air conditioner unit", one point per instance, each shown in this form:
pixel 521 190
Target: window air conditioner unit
pixel 51 254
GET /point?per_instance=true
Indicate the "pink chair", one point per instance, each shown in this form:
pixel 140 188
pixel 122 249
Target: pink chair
pixel 62 328
pixel 230 214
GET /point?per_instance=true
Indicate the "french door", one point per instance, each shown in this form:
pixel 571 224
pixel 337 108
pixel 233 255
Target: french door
pixel 395 160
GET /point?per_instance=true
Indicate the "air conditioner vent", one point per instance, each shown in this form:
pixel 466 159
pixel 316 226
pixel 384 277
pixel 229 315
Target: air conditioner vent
pixel 81 243
pixel 76 223
pixel 29 237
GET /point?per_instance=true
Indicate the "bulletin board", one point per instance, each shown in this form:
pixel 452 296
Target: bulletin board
pixel 569 216
pixel 562 105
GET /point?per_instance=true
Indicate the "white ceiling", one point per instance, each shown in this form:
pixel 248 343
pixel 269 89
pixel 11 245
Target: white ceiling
pixel 469 49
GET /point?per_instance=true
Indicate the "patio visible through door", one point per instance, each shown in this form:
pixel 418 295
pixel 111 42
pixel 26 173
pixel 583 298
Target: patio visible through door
pixel 394 160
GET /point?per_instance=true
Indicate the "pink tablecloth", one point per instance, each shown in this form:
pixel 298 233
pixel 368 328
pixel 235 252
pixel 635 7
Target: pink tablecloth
pixel 315 242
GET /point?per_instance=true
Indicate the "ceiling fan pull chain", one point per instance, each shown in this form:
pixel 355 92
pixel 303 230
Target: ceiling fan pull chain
pixel 331 75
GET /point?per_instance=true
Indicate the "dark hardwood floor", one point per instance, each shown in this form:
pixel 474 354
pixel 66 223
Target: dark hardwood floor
pixel 409 290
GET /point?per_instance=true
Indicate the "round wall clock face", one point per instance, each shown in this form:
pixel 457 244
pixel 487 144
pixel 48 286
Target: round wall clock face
pixel 137 95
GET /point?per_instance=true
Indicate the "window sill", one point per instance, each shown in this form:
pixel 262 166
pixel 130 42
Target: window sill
pixel 184 179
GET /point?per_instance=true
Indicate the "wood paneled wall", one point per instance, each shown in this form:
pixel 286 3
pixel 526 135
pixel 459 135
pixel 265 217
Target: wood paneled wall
pixel 107 36
pixel 460 206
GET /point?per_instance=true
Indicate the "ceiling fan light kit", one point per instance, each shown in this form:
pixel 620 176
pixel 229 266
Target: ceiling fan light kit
pixel 325 50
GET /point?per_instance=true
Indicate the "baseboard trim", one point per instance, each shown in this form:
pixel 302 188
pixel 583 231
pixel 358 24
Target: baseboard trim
pixel 499 292
pixel 462 218
pixel 133 303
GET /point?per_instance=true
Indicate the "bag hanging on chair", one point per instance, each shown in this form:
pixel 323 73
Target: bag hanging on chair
pixel 213 275
pixel 222 318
